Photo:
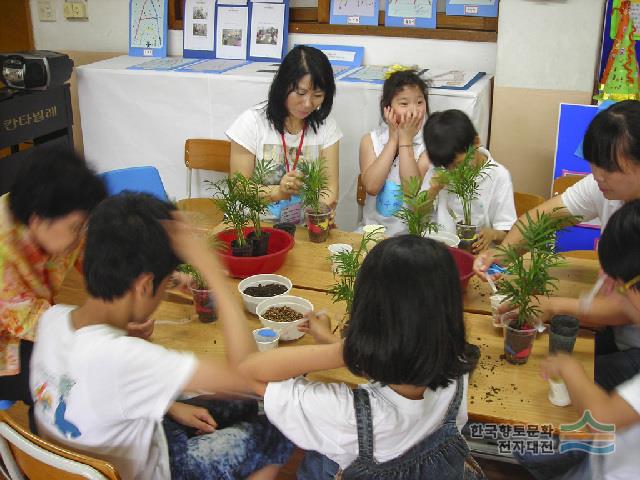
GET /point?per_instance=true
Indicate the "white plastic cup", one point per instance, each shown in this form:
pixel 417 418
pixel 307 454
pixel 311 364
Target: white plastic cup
pixel 496 301
pixel 336 248
pixel 558 393
pixel 266 338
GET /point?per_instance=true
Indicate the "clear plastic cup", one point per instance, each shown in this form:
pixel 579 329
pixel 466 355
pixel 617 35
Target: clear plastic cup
pixel 496 301
pixel 336 248
pixel 266 338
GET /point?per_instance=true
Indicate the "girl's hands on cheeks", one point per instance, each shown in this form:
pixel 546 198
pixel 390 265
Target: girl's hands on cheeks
pixel 391 119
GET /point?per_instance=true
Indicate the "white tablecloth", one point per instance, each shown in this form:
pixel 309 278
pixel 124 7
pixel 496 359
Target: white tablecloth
pixel 133 117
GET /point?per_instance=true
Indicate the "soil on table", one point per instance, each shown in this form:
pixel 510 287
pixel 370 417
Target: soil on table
pixel 282 314
pixel 266 290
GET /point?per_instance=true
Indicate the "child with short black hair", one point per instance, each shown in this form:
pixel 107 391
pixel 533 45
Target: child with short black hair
pixel 394 151
pixel 447 136
pixel 407 336
pixel 42 219
pixel 98 391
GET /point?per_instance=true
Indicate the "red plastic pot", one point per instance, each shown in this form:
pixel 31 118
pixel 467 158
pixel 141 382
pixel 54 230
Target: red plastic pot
pixel 280 243
pixel 464 262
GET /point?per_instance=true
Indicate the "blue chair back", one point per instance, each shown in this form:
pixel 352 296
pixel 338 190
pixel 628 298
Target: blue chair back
pixel 135 179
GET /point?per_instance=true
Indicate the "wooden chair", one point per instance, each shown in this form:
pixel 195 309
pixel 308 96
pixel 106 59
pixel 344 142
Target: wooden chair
pixel 204 154
pixel 560 184
pixel 525 202
pixel 26 455
pixel 361 196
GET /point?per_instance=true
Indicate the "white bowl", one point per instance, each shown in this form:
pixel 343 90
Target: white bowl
pixel 448 238
pixel 287 330
pixel 250 303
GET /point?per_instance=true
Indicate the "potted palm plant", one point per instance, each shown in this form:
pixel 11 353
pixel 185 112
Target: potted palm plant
pixel 230 194
pixel 202 296
pixel 346 267
pixel 315 186
pixel 417 208
pixel 464 181
pixel 257 204
pixel 527 278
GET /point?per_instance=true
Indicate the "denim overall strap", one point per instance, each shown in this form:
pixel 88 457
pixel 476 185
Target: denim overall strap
pixel 365 425
pixel 452 411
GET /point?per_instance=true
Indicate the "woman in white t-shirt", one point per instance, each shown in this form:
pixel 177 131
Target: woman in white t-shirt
pixel 407 336
pixel 447 137
pixel 394 152
pixel 293 126
pixel 619 252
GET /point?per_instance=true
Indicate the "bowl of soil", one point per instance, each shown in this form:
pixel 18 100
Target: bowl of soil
pixel 284 313
pixel 256 288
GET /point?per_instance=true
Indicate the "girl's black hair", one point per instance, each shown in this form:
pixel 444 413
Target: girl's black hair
pixel 447 134
pixel 53 182
pixel 300 61
pixel 613 133
pixel 406 324
pixel 396 82
pixel 619 246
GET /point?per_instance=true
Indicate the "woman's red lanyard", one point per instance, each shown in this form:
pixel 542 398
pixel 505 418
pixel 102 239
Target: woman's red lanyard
pixel 284 149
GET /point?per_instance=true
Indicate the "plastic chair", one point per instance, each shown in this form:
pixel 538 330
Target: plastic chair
pixel 204 154
pixel 560 184
pixel 525 202
pixel 26 455
pixel 135 179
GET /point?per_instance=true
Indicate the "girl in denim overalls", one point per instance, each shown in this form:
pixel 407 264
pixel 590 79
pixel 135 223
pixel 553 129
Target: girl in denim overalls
pixel 406 335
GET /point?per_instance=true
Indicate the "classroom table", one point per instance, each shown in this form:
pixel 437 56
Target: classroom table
pixel 143 117
pixel 498 391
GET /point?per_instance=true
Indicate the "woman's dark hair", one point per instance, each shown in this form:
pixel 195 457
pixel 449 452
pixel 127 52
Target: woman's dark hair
pixel 406 323
pixel 126 239
pixel 300 61
pixel 447 134
pixel 614 133
pixel 396 82
pixel 53 182
pixel 619 246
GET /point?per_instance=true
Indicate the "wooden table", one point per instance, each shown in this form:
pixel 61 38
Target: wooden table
pixel 498 392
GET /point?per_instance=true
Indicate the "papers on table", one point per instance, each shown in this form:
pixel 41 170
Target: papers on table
pixel 451 79
pixel 215 65
pixel 167 63
pixel 268 31
pixel 343 58
pixel 231 32
pixel 199 29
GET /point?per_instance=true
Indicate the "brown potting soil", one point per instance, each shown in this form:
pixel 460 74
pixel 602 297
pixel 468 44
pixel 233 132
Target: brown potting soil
pixel 266 290
pixel 282 314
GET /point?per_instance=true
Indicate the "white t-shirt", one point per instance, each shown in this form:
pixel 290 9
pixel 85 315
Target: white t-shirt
pixel 493 208
pixel 321 417
pixel 99 391
pixel 585 199
pixel 370 213
pixel 624 462
pixel 253 131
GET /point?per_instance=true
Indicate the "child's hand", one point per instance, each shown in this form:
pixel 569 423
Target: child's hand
pixel 318 325
pixel 558 366
pixel 391 119
pixel 409 125
pixel 194 417
pixel 141 330
pixel 485 239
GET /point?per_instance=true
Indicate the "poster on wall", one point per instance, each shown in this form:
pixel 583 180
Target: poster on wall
pixel 410 13
pixel 148 28
pixel 477 8
pixel 354 12
pixel 268 31
pixel 199 29
pixel 232 25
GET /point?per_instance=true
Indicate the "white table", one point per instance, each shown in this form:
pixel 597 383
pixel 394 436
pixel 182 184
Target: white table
pixel 134 117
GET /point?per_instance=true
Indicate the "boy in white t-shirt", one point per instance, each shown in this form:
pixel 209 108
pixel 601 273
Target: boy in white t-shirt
pixel 619 251
pixel 447 137
pixel 100 392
